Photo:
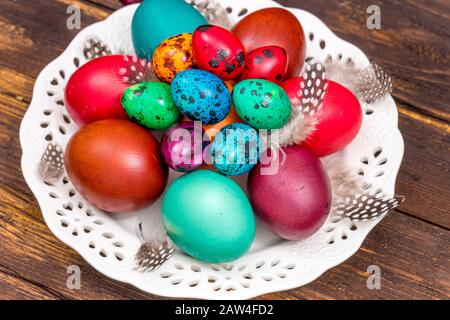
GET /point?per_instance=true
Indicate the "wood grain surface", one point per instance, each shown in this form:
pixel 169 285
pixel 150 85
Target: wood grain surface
pixel 411 246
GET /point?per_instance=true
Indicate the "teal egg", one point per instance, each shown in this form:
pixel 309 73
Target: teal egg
pixel 150 104
pixel 154 21
pixel 235 149
pixel 201 96
pixel 208 216
pixel 262 104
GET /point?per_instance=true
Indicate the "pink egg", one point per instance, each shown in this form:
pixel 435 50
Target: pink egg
pixel 182 146
pixel 294 200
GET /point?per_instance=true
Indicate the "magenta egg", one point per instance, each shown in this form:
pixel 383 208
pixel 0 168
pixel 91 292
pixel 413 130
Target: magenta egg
pixel 218 51
pixel 182 146
pixel 301 188
pixel 268 63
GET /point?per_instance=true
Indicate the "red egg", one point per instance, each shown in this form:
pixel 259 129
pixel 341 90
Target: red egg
pixel 267 63
pixel 274 27
pixel 93 92
pixel 339 119
pixel 218 51
pixel 116 165
pixel 294 200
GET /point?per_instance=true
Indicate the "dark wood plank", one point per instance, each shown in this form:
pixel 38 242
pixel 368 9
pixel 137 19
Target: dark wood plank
pixel 14 287
pixel 424 176
pixel 29 43
pixel 107 4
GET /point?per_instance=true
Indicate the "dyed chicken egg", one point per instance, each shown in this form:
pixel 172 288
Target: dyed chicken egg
pixel 173 56
pixel 301 188
pixel 262 104
pixel 338 120
pixel 201 96
pixel 274 27
pixel 208 216
pixel 182 146
pixel 156 20
pixel 235 149
pixel 218 51
pixel 267 63
pixel 116 165
pixel 150 104
pixel 93 91
pixel 230 84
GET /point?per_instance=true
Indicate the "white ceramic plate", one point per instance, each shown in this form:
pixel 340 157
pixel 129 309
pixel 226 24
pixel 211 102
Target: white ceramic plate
pixel 109 242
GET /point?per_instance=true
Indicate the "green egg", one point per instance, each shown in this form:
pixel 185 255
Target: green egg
pixel 208 216
pixel 150 104
pixel 262 104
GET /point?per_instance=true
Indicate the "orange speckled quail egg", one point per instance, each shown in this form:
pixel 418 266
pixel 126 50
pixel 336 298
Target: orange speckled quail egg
pixel 172 56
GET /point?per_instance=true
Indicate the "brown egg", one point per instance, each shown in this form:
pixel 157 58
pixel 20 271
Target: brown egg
pixel 116 165
pixel 274 27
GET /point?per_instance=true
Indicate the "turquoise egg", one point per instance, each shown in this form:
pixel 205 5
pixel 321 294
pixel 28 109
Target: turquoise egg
pixel 208 216
pixel 154 21
pixel 201 96
pixel 235 149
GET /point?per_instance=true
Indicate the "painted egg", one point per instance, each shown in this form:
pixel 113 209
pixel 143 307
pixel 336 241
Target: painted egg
pixel 274 27
pixel 173 56
pixel 262 104
pixel 213 129
pixel 338 120
pixel 235 149
pixel 201 96
pixel 182 146
pixel 229 84
pixel 267 63
pixel 93 91
pixel 208 216
pixel 154 21
pixel 302 191
pixel 150 104
pixel 116 165
pixel 218 51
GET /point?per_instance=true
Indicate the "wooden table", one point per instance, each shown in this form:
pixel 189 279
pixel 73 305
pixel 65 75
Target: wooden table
pixel 411 246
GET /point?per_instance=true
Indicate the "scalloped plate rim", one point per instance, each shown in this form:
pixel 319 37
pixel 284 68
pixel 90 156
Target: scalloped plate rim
pixel 126 278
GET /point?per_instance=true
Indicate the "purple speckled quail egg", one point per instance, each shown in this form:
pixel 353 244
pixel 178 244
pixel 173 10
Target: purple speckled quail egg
pixel 182 146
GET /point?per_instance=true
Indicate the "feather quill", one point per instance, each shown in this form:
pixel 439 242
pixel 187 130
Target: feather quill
pixel 213 11
pixel 136 70
pixel 311 92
